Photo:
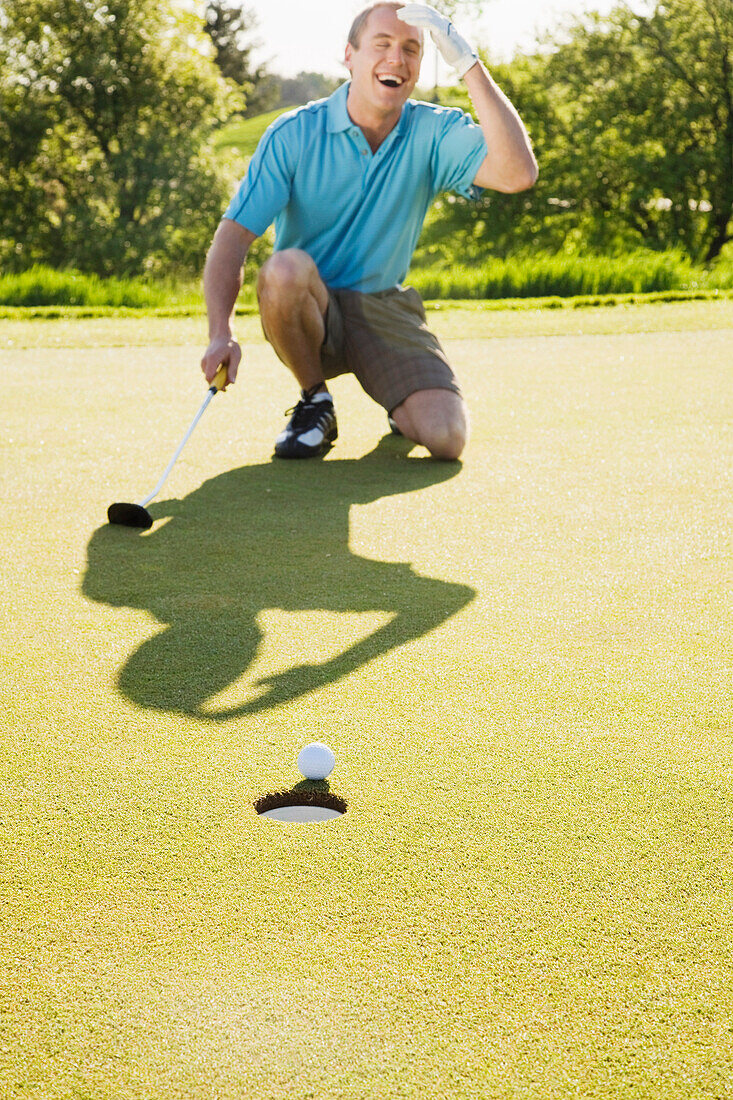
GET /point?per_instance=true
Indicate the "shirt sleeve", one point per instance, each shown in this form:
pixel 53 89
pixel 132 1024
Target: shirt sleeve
pixel 265 189
pixel 458 151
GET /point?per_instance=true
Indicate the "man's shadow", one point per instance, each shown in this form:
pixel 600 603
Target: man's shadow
pixel 267 536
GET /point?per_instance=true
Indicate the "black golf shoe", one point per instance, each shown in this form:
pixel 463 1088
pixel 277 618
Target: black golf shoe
pixel 393 426
pixel 312 428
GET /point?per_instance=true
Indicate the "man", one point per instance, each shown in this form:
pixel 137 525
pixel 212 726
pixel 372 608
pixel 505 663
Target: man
pixel 348 181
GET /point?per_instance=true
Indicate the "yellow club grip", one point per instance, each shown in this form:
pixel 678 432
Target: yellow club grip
pixel 219 380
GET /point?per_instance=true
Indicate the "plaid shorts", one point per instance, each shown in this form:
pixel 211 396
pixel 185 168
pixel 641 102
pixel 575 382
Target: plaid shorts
pixel 384 341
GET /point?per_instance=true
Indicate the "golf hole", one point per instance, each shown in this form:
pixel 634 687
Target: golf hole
pixel 301 806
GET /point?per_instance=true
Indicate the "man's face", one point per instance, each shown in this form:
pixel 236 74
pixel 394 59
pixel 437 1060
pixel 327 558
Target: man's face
pixel 385 68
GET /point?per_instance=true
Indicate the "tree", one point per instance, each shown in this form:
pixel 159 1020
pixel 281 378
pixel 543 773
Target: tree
pixel 293 91
pixel 501 224
pixel 25 116
pixel 649 102
pixel 693 45
pixel 228 29
pixel 106 165
pixel 631 117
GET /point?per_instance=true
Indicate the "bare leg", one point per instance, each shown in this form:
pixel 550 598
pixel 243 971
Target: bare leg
pixel 293 302
pixel 438 419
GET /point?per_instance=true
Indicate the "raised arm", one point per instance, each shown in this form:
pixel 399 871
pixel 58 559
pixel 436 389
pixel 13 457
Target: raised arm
pixel 222 284
pixel 510 164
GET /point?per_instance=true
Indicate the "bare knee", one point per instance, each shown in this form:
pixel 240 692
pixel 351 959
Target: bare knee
pixel 289 275
pixel 437 419
pixel 445 441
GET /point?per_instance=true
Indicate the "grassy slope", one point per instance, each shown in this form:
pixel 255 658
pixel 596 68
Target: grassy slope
pixel 529 895
pixel 243 134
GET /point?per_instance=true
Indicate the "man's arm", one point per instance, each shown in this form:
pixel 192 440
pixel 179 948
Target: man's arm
pixel 510 164
pixel 222 283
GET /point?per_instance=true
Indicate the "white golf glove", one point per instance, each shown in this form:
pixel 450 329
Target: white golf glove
pixel 454 49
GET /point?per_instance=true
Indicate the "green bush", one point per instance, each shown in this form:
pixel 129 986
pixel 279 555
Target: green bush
pixel 539 276
pixel 720 275
pixel 106 113
pixel 43 286
pixel 545 275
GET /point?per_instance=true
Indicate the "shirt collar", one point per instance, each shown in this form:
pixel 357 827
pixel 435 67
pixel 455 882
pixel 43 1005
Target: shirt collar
pixel 338 116
pixel 339 119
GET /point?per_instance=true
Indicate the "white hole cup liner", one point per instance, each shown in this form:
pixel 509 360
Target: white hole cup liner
pixel 302 813
pixel 301 806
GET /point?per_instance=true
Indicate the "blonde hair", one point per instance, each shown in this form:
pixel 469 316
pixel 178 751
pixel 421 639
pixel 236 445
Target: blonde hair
pixel 357 27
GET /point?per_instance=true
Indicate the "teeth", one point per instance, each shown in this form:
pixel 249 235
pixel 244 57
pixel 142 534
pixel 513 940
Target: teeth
pixel 397 80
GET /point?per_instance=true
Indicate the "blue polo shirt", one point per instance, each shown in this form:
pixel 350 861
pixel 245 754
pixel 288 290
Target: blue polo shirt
pixel 358 214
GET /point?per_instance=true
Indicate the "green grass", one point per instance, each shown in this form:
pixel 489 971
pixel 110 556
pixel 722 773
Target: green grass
pixel 244 134
pixel 568 276
pixel 42 285
pixel 557 280
pixel 247 307
pixel 469 321
pixel 522 664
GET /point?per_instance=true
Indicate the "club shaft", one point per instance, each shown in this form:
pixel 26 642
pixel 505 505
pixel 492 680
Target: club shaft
pixel 179 448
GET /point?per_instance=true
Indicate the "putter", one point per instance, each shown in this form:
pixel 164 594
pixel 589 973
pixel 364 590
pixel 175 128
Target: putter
pixel 137 515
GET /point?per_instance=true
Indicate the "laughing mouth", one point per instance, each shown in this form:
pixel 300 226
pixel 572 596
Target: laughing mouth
pixel 387 80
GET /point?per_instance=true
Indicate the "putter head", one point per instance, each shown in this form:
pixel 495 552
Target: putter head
pixel 130 515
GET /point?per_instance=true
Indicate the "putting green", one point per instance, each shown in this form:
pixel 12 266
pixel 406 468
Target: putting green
pixel 523 667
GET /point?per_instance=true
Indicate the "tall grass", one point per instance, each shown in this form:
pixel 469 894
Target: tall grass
pixel 565 276
pixel 44 286
pixel 540 276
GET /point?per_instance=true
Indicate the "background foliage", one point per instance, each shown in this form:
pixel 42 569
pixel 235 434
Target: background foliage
pixel 631 119
pixel 125 124
pixel 106 115
pixel 230 30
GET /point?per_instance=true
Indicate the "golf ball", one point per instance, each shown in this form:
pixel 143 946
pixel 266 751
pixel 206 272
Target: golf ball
pixel 316 760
